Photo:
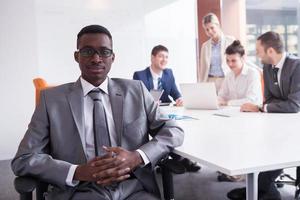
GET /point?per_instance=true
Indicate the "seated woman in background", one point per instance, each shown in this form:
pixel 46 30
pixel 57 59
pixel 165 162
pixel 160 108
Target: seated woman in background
pixel 243 83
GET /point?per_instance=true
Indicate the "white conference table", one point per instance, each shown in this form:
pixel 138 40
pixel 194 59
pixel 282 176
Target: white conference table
pixel 243 143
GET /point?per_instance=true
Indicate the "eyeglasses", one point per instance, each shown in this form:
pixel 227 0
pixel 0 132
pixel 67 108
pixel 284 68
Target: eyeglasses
pixel 102 51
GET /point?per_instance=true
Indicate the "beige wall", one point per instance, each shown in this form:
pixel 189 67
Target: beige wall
pixel 233 18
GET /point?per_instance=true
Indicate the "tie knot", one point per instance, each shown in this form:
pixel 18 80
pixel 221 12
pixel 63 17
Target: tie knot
pixel 95 94
pixel 275 69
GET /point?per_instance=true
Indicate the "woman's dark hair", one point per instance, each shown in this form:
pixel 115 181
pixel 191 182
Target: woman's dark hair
pixel 234 48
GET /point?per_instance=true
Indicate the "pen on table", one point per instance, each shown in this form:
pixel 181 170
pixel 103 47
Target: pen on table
pixel 221 115
pixel 171 98
pixel 188 117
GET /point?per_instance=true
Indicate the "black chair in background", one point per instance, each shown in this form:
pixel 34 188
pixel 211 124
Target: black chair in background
pixel 289 180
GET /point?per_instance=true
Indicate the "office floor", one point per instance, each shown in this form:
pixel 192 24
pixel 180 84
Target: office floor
pixel 188 186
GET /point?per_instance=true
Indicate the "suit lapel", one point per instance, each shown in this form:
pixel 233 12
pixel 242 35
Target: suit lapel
pixel 208 55
pixel 223 48
pixel 75 98
pixel 164 80
pixel 116 99
pixel 149 79
pixel 284 74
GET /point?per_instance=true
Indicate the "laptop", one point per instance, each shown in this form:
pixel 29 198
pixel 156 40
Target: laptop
pixel 199 96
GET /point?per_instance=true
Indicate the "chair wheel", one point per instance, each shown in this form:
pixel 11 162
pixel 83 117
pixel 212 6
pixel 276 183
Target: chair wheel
pixel 279 185
pixel 297 194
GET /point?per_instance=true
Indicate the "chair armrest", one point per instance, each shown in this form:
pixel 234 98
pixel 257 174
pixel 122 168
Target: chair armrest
pixel 25 184
pixel 166 170
pixel 172 165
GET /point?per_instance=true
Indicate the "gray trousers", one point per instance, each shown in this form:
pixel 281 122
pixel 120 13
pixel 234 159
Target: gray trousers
pixel 130 189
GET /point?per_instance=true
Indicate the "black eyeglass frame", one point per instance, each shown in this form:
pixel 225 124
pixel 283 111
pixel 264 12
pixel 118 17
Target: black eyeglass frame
pixel 88 52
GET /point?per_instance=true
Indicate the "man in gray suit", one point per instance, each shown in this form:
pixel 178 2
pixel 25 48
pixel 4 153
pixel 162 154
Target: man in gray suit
pixel 60 146
pixel 282 95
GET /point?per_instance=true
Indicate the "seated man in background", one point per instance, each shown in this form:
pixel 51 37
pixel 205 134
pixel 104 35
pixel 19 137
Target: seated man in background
pixel 243 83
pixel 90 139
pixel 282 95
pixel 158 77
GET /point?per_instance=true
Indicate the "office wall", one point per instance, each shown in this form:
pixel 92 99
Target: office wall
pixel 18 64
pixel 38 39
pixel 236 26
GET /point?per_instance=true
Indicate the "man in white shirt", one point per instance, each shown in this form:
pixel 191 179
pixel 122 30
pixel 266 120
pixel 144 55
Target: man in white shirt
pixel 243 83
pixel 158 77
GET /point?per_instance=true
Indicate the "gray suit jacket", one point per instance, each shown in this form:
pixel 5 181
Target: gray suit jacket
pixel 285 99
pixel 55 139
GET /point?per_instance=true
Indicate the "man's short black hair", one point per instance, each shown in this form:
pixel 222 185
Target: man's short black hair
pixel 271 39
pixel 234 48
pixel 157 49
pixel 93 29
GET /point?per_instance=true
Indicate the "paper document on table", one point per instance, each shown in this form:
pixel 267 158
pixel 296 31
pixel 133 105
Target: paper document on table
pixel 227 112
pixel 177 117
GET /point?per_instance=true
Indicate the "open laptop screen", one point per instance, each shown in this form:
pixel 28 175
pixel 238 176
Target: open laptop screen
pixel 199 95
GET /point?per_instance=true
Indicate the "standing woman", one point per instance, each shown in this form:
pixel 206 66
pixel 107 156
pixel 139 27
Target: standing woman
pixel 213 67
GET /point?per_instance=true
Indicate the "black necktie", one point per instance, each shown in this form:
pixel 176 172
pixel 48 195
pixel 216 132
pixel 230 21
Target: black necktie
pixel 275 75
pixel 100 128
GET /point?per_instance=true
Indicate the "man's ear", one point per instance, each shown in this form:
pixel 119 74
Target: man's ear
pixel 152 58
pixel 270 50
pixel 76 56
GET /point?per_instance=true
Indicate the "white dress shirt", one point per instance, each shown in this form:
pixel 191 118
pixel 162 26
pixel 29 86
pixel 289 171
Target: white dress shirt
pixel 88 116
pixel 88 105
pixel 244 88
pixel 155 78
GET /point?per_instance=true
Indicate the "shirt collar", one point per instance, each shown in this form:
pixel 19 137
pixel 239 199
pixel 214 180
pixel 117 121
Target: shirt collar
pixel 87 87
pixel 154 75
pixel 222 37
pixel 281 62
pixel 244 70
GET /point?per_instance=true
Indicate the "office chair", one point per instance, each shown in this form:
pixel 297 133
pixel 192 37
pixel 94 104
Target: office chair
pixel 39 84
pixel 260 71
pixel 25 185
pixel 289 180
